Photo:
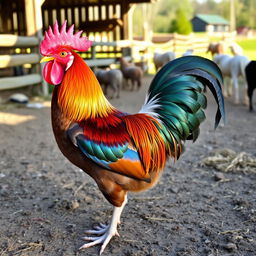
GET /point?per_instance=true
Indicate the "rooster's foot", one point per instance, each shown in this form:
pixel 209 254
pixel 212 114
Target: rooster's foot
pixel 103 234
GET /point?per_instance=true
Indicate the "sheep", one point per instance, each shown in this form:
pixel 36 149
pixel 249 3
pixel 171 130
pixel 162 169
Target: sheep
pixel 232 67
pixel 131 72
pixel 188 52
pixel 160 59
pixel 112 78
pixel 215 48
pixel 250 72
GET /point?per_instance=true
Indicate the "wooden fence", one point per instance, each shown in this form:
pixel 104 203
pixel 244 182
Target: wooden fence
pixel 15 52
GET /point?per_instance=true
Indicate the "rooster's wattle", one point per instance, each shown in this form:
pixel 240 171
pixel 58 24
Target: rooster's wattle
pixel 123 152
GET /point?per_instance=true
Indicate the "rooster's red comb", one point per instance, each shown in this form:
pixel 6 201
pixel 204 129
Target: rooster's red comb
pixel 58 37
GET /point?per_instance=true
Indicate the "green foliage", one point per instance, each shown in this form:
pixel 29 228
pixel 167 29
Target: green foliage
pixel 161 24
pixel 245 15
pixel 180 24
pixel 166 12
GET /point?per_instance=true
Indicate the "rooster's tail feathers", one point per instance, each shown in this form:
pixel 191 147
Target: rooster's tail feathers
pixel 176 97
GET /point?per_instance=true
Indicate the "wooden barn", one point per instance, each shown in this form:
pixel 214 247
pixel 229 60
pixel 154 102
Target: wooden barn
pixel 209 23
pixel 22 23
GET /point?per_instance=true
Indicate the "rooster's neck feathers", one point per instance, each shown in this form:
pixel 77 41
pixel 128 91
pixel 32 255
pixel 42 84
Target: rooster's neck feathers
pixel 80 95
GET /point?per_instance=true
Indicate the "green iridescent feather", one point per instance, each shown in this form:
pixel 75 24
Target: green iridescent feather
pixel 179 92
pixel 101 151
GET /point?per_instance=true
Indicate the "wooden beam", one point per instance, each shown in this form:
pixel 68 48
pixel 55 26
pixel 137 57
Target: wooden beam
pixel 104 62
pixel 30 17
pixel 38 17
pixel 125 8
pixel 18 41
pixel 17 60
pixel 39 27
pixel 100 25
pixel 19 81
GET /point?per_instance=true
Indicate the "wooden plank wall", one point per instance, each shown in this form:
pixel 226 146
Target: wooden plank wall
pixel 101 22
pixel 84 16
pixel 12 18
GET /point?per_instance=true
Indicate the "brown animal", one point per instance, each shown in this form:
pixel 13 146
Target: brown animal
pixel 215 48
pixel 131 72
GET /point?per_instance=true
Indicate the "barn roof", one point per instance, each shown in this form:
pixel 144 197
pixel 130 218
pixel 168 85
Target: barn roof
pixel 212 19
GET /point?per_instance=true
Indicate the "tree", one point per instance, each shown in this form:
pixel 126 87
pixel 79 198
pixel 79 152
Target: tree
pixel 166 11
pixel 180 24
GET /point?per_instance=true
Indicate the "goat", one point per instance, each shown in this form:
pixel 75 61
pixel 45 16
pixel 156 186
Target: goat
pixel 112 78
pixel 215 48
pixel 160 59
pixel 232 67
pixel 131 72
pixel 250 72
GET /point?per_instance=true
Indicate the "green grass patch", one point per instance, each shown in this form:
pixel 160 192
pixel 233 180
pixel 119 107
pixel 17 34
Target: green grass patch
pixel 249 47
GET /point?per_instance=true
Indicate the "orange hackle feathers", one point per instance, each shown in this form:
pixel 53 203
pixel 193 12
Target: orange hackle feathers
pixel 80 94
pixel 148 140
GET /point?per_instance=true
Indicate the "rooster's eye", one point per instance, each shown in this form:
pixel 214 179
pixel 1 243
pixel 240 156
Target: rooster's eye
pixel 63 54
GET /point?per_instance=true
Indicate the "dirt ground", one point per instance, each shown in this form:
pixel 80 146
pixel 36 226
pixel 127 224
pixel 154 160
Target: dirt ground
pixel 47 203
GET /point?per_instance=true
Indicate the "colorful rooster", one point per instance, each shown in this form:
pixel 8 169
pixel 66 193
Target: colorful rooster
pixel 123 152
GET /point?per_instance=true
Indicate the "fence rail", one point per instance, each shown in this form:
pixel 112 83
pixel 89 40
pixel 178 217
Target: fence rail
pixel 19 59
pixel 8 83
pixel 8 44
pixel 18 41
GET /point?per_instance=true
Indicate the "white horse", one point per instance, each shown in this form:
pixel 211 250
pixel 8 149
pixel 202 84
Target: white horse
pixel 233 67
pixel 160 59
pixel 236 49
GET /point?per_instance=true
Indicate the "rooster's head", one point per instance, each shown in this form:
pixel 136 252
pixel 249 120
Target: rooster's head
pixel 57 48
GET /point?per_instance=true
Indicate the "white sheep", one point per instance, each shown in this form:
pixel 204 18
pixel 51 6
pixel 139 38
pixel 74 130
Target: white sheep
pixel 160 59
pixel 112 78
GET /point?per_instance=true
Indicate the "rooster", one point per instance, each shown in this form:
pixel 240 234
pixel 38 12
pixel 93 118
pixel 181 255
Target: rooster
pixel 123 152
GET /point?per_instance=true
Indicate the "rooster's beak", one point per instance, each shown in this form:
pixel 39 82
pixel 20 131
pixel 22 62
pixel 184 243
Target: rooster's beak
pixel 46 58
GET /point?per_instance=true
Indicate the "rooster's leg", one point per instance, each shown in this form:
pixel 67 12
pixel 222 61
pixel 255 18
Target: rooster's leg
pixel 105 232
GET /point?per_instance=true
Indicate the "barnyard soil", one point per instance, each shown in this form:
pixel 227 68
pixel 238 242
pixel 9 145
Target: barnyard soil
pixel 196 209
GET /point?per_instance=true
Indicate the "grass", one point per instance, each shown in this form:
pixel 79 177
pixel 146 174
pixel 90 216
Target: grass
pixel 249 47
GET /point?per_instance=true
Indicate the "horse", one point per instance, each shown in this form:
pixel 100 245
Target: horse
pixel 233 67
pixel 236 49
